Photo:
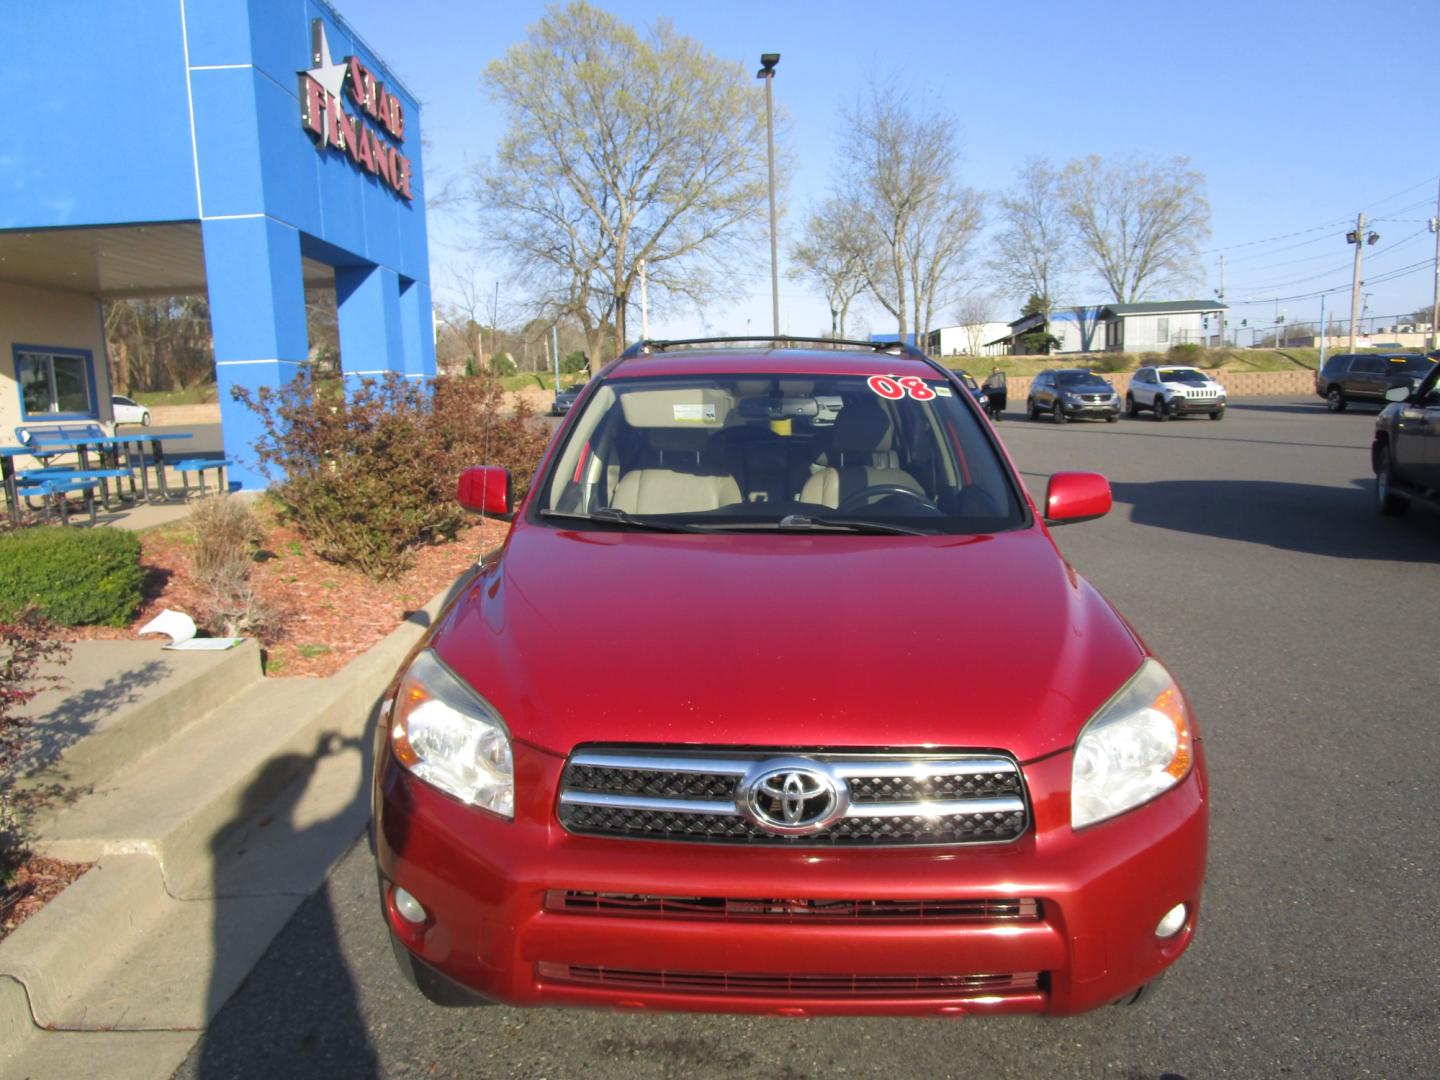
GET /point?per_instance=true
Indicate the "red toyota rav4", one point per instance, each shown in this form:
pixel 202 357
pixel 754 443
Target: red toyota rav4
pixel 696 737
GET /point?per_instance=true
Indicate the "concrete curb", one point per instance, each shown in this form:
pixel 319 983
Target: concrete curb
pixel 153 940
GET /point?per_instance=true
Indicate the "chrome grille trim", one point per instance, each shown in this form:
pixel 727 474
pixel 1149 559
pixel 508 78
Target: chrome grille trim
pixel 642 802
pixel 1008 805
pixel 884 800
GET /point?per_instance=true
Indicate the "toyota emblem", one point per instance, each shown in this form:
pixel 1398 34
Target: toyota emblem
pixel 793 797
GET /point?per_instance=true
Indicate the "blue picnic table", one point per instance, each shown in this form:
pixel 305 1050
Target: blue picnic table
pixel 43 445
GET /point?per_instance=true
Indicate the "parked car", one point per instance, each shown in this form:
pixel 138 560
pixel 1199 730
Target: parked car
pixel 976 390
pixel 1072 394
pixel 1406 451
pixel 1170 391
pixel 128 411
pixel 1347 377
pixel 690 740
pixel 565 399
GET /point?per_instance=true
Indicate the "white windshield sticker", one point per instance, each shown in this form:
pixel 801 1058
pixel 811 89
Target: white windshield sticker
pixel 695 414
pixel 943 391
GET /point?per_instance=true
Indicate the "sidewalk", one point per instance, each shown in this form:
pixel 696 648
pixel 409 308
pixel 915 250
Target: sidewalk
pixel 212 801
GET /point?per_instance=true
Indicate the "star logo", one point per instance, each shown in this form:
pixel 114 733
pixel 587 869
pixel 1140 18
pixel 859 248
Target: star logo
pixel 330 75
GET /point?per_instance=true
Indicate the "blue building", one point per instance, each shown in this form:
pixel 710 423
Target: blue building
pixel 239 148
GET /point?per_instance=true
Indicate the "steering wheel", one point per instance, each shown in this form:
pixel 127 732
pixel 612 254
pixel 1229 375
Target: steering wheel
pixel 853 502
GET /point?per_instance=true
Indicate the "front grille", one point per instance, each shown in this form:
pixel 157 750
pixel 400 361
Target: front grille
pixel 881 800
pixel 732 909
pixel 794 985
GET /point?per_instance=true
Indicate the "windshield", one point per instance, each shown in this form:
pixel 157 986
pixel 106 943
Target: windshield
pixel 1413 364
pixel 767 451
pixel 1182 375
pixel 1080 380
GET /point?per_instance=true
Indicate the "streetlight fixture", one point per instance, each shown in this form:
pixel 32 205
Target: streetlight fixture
pixel 767 72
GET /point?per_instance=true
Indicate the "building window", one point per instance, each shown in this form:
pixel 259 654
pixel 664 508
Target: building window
pixel 1162 331
pixel 55 383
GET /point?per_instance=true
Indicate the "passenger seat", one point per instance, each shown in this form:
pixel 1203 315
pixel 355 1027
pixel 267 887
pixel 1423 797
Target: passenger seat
pixel 682 481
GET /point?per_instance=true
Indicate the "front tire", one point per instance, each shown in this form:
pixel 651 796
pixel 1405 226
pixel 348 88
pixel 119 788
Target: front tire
pixel 145 418
pixel 1335 399
pixel 1386 501
pixel 1131 409
pixel 1162 411
pixel 1218 414
pixel 1031 412
pixel 1057 413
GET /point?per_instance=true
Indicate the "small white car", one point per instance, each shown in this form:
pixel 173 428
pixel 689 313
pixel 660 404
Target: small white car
pixel 1174 391
pixel 129 412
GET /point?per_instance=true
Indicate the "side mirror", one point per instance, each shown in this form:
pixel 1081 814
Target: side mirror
pixel 1076 496
pixel 486 489
pixel 1398 393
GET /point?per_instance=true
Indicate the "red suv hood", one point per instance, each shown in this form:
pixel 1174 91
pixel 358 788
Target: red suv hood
pixel 787 640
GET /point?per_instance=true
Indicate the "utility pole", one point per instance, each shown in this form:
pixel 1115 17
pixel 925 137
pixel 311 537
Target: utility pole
pixel 644 306
pixel 555 352
pixel 1222 302
pixel 1359 238
pixel 1435 307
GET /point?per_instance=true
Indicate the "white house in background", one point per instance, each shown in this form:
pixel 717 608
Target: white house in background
pixel 972 339
pixel 1144 327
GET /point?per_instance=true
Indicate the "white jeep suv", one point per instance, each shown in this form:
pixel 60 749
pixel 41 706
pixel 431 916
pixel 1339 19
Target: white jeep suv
pixel 1174 391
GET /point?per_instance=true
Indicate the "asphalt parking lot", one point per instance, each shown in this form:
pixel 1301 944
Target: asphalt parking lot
pixel 1249 554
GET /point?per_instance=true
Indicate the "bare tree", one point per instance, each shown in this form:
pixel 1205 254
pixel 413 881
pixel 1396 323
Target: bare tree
pixel 621 148
pixel 829 256
pixel 973 312
pixel 911 219
pixel 1034 250
pixel 1139 223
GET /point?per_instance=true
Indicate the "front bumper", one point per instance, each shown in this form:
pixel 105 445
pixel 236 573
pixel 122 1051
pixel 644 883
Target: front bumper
pixel 1182 406
pixel 1087 409
pixel 483 882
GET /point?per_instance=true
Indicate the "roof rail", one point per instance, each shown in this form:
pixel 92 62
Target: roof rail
pixel 647 347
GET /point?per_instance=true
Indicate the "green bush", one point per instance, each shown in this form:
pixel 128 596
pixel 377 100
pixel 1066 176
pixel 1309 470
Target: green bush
pixel 502 364
pixel 72 576
pixel 370 475
pixel 576 361
pixel 1189 354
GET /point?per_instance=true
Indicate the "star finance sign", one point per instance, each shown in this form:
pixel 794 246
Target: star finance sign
pixel 323 116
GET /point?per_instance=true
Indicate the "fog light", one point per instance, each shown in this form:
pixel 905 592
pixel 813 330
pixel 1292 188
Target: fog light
pixel 412 911
pixel 1168 926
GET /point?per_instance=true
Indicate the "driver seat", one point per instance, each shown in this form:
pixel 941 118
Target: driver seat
pixel 861 455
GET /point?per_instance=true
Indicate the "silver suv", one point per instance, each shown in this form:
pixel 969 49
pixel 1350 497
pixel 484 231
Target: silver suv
pixel 1174 391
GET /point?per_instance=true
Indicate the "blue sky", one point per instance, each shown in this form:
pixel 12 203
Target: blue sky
pixel 1300 116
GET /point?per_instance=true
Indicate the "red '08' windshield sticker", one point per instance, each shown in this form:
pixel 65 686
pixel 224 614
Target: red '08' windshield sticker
pixel 893 389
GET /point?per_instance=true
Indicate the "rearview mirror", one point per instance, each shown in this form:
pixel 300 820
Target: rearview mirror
pixel 486 489
pixel 1076 496
pixel 1398 393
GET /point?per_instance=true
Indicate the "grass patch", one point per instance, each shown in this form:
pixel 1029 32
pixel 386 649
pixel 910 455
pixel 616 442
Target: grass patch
pixel 200 394
pixel 310 652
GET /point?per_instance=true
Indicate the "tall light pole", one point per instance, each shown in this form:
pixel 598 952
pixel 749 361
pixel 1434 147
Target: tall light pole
pixel 767 72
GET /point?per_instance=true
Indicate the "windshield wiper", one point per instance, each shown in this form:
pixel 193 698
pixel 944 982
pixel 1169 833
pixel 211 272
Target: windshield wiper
pixel 805 523
pixel 609 515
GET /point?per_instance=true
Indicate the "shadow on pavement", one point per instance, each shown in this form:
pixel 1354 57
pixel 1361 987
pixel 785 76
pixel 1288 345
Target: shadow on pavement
pixel 334 1039
pixel 1319 520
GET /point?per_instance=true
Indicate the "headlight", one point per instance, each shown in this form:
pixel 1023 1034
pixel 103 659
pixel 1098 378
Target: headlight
pixel 451 738
pixel 1135 747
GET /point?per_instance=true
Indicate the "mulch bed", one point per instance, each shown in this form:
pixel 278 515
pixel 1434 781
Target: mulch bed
pixel 29 885
pixel 330 614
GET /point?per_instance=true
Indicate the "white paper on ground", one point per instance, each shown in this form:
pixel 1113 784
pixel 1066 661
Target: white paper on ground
pixel 180 629
pixel 206 644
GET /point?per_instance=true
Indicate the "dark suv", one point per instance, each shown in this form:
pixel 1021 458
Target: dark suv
pixel 1406 452
pixel 1072 393
pixel 1348 377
